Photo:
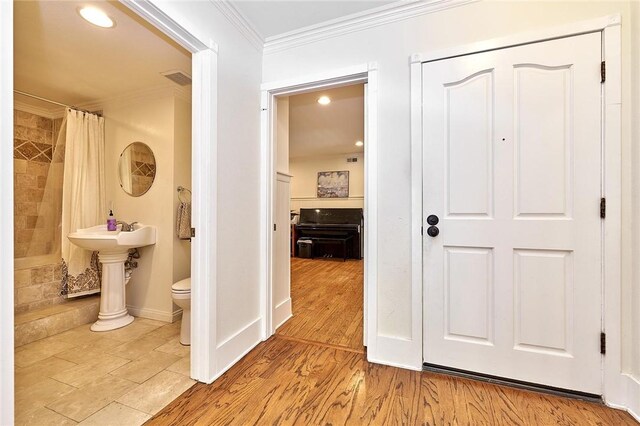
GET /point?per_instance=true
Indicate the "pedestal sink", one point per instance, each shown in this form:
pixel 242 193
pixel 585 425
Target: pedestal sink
pixel 113 250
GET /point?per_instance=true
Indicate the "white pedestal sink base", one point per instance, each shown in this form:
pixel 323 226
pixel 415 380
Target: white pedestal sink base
pixel 113 311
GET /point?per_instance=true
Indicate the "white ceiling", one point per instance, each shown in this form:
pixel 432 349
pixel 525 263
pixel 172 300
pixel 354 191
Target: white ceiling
pixel 275 17
pixel 316 130
pixel 60 56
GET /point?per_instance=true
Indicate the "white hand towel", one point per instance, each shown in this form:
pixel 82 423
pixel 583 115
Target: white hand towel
pixel 183 222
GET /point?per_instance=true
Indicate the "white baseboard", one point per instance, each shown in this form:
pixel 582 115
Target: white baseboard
pixel 237 346
pixel 155 314
pixel 633 396
pixel 281 313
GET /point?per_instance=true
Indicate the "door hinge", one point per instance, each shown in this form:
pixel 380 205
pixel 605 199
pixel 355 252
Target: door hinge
pixel 274 227
pixel 193 232
pixel 603 343
pixel 603 208
pixel 603 72
pixel 422 230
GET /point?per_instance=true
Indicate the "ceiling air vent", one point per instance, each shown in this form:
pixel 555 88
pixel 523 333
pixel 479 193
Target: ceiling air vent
pixel 178 77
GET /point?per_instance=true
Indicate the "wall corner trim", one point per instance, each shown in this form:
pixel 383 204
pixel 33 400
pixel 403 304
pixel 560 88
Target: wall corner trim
pixel 242 24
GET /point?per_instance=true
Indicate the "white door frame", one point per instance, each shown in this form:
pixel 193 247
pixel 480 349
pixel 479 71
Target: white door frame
pixel 6 213
pixel 203 270
pixel 614 382
pixel 365 73
pixel 204 180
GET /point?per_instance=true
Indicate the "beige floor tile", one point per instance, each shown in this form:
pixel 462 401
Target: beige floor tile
pixel 81 403
pixel 145 367
pixel 157 392
pixel 182 366
pixel 151 322
pixel 80 335
pixel 37 351
pixel 166 331
pixel 40 394
pixel 32 374
pixel 174 347
pixel 133 331
pixel 102 344
pixel 137 348
pixel 42 416
pixel 97 365
pixel 116 414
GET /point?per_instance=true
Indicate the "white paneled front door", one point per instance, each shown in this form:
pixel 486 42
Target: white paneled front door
pixel 512 170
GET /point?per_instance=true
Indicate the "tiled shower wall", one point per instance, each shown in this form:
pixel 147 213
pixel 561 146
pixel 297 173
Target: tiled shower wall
pixel 34 142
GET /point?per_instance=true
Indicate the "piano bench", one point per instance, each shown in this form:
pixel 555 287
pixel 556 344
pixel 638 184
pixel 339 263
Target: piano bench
pixel 333 240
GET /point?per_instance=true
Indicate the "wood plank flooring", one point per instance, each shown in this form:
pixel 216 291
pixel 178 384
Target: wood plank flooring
pixel 327 297
pixel 288 382
pixel 314 372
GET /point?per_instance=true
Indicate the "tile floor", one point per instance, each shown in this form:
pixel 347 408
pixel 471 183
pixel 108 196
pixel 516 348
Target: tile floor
pixel 119 377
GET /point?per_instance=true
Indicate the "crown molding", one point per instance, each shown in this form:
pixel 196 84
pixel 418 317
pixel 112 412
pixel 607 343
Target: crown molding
pixel 242 24
pixel 387 14
pixel 51 113
pixel 155 92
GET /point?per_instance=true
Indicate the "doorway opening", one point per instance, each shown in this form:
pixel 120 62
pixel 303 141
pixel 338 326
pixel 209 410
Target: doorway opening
pixel 320 177
pixel 319 203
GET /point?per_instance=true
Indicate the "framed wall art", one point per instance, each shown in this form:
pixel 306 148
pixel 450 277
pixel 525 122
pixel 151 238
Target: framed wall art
pixel 333 184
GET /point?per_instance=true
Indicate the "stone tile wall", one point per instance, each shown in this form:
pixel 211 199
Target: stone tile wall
pixel 37 287
pixel 34 234
pixel 32 152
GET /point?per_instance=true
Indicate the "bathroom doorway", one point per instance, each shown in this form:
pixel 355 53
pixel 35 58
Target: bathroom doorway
pixel 140 93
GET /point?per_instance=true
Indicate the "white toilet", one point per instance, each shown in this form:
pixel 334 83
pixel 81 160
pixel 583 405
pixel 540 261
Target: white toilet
pixel 181 293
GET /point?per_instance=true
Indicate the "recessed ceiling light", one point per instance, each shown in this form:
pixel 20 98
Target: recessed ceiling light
pixel 359 143
pixel 324 100
pixel 96 17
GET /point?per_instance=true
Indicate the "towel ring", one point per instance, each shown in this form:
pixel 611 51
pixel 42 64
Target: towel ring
pixel 181 191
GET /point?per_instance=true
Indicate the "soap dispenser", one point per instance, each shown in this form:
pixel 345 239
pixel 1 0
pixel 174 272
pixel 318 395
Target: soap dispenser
pixel 111 222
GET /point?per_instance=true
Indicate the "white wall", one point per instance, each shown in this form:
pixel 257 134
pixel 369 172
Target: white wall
pixel 162 122
pixel 390 46
pixel 238 174
pixel 305 180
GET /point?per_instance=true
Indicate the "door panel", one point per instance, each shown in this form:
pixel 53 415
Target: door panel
pixel 512 168
pixel 542 95
pixel 468 111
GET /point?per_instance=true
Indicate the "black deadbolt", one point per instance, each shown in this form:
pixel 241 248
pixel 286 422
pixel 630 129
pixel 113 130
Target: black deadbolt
pixel 432 219
pixel 433 231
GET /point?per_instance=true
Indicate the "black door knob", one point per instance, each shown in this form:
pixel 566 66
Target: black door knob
pixel 432 219
pixel 433 231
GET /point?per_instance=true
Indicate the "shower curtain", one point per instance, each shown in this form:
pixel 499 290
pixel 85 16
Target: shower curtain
pixel 83 199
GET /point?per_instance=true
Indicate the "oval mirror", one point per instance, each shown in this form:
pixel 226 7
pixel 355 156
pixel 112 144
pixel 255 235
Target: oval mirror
pixel 136 169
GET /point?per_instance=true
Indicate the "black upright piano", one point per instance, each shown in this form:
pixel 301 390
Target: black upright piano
pixel 343 226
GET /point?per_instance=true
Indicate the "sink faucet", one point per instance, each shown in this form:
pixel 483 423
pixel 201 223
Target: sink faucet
pixel 126 227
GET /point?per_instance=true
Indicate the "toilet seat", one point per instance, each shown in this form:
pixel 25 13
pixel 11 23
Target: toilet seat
pixel 182 286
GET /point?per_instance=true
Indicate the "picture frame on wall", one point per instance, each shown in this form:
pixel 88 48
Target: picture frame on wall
pixel 333 184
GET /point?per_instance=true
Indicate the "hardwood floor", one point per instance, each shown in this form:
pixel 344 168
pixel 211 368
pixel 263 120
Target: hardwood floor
pixel 327 297
pixel 287 382
pixel 314 372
